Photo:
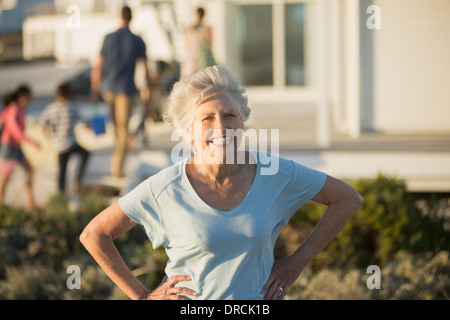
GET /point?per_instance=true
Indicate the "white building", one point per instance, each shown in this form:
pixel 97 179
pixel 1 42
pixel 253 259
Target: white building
pixel 359 65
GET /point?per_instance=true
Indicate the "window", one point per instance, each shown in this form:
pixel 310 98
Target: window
pixel 294 44
pixel 255 56
pixel 269 43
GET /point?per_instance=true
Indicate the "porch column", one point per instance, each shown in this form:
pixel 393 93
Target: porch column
pixel 353 68
pixel 323 133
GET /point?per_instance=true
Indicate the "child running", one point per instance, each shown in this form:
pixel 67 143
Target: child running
pixel 12 136
pixel 60 118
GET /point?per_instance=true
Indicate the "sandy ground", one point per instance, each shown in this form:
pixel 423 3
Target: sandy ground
pixel 44 162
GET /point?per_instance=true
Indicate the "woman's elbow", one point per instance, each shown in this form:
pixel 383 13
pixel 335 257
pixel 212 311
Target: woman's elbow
pixel 84 237
pixel 357 200
pixel 89 236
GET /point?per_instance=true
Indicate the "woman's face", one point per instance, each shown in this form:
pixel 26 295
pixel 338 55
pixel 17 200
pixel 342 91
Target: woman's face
pixel 214 128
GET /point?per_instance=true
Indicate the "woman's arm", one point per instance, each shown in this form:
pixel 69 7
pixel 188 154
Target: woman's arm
pixel 343 202
pixel 98 238
pixel 96 78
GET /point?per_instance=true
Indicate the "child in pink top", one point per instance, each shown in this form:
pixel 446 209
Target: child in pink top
pixel 11 138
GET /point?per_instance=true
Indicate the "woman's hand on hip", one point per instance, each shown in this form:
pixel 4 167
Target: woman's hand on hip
pixel 284 273
pixel 168 291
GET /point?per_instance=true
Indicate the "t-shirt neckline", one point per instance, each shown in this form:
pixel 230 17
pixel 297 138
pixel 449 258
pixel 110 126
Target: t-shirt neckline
pixel 211 209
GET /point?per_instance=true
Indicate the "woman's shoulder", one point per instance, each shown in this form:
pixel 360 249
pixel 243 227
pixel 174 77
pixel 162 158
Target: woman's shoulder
pixel 271 164
pixel 166 177
pixel 290 172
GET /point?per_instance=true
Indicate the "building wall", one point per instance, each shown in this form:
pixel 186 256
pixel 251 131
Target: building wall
pixel 46 36
pixel 160 24
pixel 393 79
pixel 411 68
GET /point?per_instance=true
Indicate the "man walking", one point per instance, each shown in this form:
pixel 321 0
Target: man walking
pixel 113 77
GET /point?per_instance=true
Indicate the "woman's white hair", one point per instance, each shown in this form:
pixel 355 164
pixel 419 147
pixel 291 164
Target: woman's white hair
pixel 191 90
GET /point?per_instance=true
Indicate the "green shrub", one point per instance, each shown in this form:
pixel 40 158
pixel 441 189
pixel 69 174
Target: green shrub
pixel 31 282
pixel 389 221
pixel 36 249
pixel 408 242
pixel 407 277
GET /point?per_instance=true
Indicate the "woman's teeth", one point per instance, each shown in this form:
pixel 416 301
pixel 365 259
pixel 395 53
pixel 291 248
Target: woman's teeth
pixel 221 141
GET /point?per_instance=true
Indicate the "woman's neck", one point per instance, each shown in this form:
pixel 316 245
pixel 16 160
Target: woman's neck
pixel 216 172
pixel 221 172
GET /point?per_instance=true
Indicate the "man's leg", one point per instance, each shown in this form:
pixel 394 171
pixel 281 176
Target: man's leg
pixel 123 105
pixel 110 101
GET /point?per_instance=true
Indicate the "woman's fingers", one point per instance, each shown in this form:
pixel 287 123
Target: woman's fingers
pixel 272 292
pixel 268 283
pixel 170 292
pixel 176 279
pixel 280 279
pixel 181 290
pixel 276 292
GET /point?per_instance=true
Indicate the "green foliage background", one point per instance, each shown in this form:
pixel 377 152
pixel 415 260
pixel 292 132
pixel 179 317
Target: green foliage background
pixel 407 239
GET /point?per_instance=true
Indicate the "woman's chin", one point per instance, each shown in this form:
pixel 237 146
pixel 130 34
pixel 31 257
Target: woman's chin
pixel 218 154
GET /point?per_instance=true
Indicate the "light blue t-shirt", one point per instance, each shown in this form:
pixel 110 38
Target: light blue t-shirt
pixel 229 255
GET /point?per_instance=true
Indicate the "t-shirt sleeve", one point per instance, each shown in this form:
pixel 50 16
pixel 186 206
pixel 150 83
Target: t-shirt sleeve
pixel 141 206
pixel 304 185
pixel 142 48
pixel 307 181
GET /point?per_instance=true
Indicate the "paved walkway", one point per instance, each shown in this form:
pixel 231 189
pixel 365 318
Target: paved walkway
pixel 422 160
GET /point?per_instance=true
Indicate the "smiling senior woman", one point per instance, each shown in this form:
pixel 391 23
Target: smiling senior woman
pixel 218 220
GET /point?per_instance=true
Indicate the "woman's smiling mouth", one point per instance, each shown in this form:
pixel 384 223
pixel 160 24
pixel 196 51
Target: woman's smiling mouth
pixel 220 141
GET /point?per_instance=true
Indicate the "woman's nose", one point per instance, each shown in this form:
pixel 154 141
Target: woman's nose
pixel 220 124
